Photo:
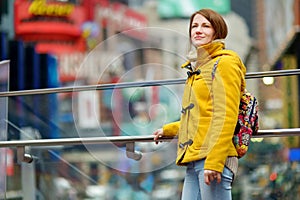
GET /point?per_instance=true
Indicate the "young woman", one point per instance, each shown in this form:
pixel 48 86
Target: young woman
pixel 210 104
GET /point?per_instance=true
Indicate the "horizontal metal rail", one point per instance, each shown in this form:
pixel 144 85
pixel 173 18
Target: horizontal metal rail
pixel 129 139
pixel 123 85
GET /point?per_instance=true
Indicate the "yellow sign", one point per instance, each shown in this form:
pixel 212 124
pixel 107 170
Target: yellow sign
pixel 40 7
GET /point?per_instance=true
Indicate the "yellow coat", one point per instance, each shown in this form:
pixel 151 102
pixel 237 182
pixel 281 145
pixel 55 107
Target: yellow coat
pixel 209 108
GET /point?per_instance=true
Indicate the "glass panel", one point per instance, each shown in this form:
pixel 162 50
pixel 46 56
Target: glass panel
pixel 5 156
pixel 67 172
pixel 278 104
pixel 269 170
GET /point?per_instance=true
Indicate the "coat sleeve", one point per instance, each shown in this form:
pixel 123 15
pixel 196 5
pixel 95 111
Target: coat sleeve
pixel 171 129
pixel 226 91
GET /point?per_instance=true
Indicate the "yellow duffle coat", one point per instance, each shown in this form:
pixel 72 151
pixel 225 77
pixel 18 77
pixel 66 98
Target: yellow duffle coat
pixel 210 107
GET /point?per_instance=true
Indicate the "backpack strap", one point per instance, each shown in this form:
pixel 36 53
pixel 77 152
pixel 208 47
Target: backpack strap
pixel 213 73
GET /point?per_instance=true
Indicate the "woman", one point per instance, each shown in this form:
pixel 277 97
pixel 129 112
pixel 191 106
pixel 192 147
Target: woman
pixel 216 79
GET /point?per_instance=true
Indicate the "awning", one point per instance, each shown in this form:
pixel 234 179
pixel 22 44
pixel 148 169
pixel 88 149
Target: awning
pixel 289 46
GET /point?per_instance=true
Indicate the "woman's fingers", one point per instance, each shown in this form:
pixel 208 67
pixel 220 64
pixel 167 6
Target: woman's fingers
pixel 157 134
pixel 218 177
pixel 210 175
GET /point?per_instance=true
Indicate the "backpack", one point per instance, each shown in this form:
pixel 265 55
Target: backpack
pixel 247 123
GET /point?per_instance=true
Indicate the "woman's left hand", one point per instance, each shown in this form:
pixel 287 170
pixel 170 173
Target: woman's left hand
pixel 210 175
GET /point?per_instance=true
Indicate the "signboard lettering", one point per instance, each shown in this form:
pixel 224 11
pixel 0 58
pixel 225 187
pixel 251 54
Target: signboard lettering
pixel 40 7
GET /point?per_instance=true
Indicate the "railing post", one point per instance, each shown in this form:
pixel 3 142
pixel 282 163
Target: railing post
pixel 22 156
pixel 131 153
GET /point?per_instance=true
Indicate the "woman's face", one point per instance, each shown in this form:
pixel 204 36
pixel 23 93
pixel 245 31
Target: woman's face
pixel 202 31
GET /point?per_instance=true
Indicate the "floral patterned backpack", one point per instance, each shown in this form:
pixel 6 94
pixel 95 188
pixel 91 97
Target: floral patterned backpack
pixel 247 124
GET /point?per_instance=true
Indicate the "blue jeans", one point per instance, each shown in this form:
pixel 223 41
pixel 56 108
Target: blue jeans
pixel 194 187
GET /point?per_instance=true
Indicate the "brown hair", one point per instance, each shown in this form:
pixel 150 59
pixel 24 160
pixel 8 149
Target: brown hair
pixel 216 21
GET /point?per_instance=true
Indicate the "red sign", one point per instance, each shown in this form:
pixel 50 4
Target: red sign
pixel 58 48
pixel 49 24
pixel 58 27
pixel 123 18
pixel 9 162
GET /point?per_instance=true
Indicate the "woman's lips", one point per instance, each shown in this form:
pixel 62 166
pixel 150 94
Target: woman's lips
pixel 198 38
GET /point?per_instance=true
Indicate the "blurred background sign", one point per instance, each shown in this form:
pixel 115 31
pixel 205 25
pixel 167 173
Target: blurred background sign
pixel 184 8
pixel 294 154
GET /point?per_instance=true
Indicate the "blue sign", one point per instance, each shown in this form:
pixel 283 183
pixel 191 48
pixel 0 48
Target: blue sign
pixel 294 155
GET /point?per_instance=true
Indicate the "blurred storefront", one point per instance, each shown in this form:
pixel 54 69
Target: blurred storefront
pixel 278 43
pixel 55 43
pixel 68 31
pixel 279 49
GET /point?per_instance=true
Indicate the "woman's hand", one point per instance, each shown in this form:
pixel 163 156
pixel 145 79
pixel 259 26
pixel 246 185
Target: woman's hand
pixel 158 134
pixel 210 175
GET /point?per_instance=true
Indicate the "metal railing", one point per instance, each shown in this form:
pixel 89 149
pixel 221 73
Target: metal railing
pixel 128 140
pixel 124 85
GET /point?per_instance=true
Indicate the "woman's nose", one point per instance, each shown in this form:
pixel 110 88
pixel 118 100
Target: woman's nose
pixel 199 29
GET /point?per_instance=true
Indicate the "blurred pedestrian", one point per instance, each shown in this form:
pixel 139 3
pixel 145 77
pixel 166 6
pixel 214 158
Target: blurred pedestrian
pixel 210 105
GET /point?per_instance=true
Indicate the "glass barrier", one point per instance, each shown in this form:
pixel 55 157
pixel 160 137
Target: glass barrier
pixel 270 170
pixel 4 152
pixel 97 172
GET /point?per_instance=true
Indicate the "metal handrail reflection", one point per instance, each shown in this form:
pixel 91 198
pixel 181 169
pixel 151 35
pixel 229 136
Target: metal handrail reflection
pixel 123 85
pixel 128 139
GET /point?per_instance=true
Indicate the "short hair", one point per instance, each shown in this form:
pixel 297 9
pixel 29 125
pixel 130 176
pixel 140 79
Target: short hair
pixel 216 20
